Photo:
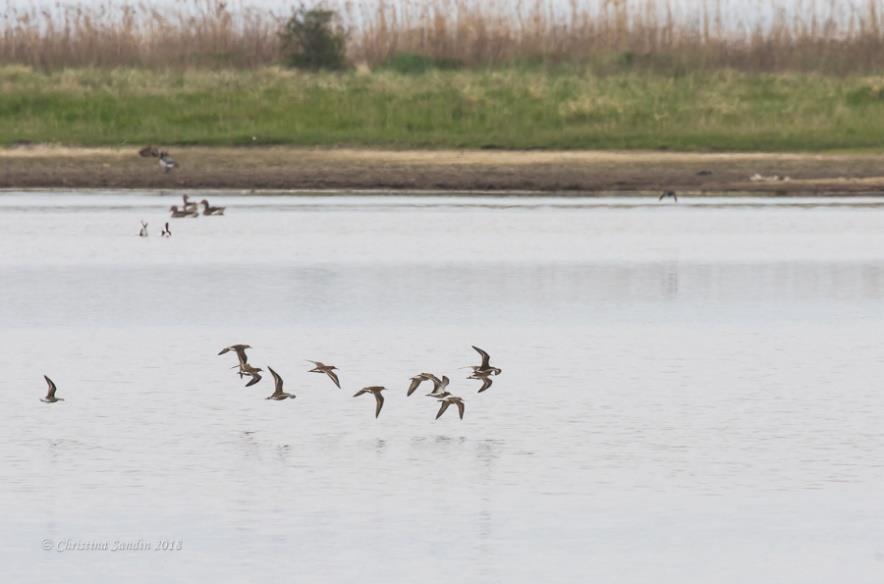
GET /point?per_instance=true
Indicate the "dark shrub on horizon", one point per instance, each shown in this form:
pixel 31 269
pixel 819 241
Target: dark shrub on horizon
pixel 314 39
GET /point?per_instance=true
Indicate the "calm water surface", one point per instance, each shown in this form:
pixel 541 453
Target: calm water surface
pixel 690 393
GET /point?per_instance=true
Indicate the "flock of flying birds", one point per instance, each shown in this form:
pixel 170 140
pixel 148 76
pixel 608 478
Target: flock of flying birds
pixel 482 372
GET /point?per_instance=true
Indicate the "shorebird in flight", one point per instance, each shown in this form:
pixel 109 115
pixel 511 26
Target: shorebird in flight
pixel 278 393
pixel 166 162
pixel 143 231
pixel 240 351
pixel 485 377
pixel 420 378
pixel 447 401
pixel 485 367
pixel 439 386
pixel 166 232
pixel 50 395
pixel 376 390
pixel 321 367
pixel 253 372
pixel 210 210
pixel 669 195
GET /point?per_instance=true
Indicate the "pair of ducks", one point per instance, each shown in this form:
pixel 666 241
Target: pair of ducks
pixel 166 232
pixel 190 209
pixel 166 161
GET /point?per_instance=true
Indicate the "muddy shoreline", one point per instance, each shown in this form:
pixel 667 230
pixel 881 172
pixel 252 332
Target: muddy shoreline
pixel 550 172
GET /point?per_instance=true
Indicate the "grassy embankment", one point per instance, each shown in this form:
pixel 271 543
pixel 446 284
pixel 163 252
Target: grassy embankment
pixel 510 107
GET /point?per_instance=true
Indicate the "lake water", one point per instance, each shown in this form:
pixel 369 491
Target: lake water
pixel 690 392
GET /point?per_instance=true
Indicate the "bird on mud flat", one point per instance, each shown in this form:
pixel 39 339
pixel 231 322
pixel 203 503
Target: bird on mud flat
pixel 447 401
pixel 149 152
pixel 668 195
pixel 209 210
pixel 50 395
pixel 329 370
pixel 278 394
pixel 166 162
pixel 376 390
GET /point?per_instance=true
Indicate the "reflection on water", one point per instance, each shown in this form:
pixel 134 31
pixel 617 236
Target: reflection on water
pixel 683 381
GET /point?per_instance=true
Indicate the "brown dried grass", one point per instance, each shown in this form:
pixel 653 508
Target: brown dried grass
pixel 611 34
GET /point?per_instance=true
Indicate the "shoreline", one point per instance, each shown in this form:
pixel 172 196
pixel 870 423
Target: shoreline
pixel 291 170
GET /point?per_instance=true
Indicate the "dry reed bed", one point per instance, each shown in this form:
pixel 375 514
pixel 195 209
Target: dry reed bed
pixel 610 34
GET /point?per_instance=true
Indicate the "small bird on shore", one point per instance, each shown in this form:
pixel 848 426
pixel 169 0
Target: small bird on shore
pixel 50 395
pixel 278 394
pixel 166 162
pixel 166 232
pixel 485 366
pixel 210 210
pixel 668 195
pixel 149 152
pixel 178 213
pixel 143 231
pixel 447 401
pixel 329 370
pixel 420 378
pixel 376 390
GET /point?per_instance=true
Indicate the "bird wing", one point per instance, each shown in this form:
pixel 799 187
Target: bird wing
pixel 415 382
pixel 360 392
pixel 241 354
pixel 486 383
pixel 442 409
pixel 485 357
pixel 460 408
pixel 224 350
pixel 380 400
pixel 277 380
pixel 255 379
pixel 661 196
pixel 333 377
pixel 51 393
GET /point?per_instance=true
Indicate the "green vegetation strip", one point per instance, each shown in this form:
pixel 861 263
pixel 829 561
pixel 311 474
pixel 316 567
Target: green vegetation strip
pixel 508 108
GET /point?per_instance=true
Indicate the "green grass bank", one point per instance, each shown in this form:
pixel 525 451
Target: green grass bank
pixel 509 108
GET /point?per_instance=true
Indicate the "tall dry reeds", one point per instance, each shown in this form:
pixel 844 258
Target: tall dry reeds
pixel 818 36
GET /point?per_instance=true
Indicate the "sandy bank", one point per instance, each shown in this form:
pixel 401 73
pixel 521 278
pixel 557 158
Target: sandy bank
pixel 575 172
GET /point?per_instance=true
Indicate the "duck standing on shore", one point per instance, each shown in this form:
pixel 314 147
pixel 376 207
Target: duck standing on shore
pixel 166 162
